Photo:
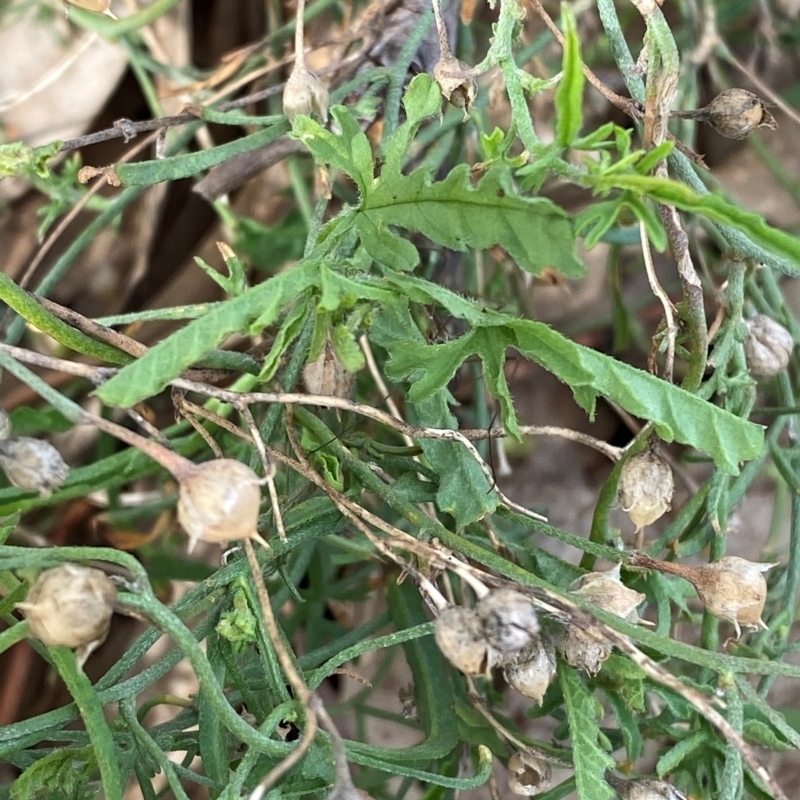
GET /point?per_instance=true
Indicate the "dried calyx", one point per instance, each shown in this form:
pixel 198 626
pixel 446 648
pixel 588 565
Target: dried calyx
pixel 528 775
pixel 305 93
pixel 605 590
pixel 533 671
pixel 645 489
pixel 644 789
pixel 767 347
pixel 502 626
pixel 70 605
pixel 732 589
pixel 33 464
pixel 218 501
pixel 5 425
pixel 457 82
pixel 326 375
pixel 734 113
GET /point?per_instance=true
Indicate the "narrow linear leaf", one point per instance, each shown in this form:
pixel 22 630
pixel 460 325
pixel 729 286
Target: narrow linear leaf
pixel 709 205
pixel 569 95
pixel 153 371
pixel 146 173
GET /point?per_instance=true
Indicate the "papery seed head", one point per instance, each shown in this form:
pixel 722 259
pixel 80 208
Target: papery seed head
pixel 509 621
pixel 457 83
pixel 645 488
pixel 736 113
pixel 534 671
pixel 327 376
pixel 70 605
pixel 607 591
pixel 460 637
pixel 33 464
pixel 219 502
pixel 528 775
pixel 644 789
pixel 733 589
pixel 5 425
pixel 767 347
pixel 305 93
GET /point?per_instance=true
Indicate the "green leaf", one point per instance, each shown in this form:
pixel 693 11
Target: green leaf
pixel 456 214
pixel 590 761
pixel 17 158
pixel 259 306
pixel 348 150
pixel 712 206
pixel 62 773
pixel 346 348
pixel 464 492
pixel 759 733
pixel 670 760
pixel 385 246
pixel 677 414
pixel 569 95
pixel 187 165
pixel 442 361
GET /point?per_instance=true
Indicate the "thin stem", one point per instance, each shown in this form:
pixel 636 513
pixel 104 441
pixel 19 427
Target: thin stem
pixel 672 330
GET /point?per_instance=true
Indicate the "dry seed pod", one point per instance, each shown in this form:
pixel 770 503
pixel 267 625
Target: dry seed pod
pixel 734 113
pixel 767 347
pixel 460 637
pixel 305 93
pixel 70 605
pixel 534 672
pixel 607 591
pixel 528 775
pixel 581 648
pixel 457 82
pixel 5 425
pixel 644 790
pixel 327 376
pixel 33 464
pixel 645 489
pixel 219 501
pixel 732 588
pixel 509 621
pixel 100 6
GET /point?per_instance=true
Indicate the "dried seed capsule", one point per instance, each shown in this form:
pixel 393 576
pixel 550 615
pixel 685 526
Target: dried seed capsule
pixel 457 82
pixel 5 425
pixel 70 605
pixel 736 113
pixel 534 672
pixel 732 588
pixel 326 375
pixel 33 464
pixel 644 790
pixel 509 621
pixel 460 637
pixel 528 775
pixel 305 93
pixel 607 591
pixel 581 648
pixel 645 489
pixel 219 502
pixel 767 347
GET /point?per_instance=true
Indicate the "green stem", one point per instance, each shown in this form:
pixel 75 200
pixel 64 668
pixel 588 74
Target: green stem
pixel 164 619
pixel 91 711
pixel 11 636
pixel 127 709
pixel 26 306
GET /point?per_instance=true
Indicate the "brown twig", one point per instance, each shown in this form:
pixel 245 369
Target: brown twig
pixel 624 104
